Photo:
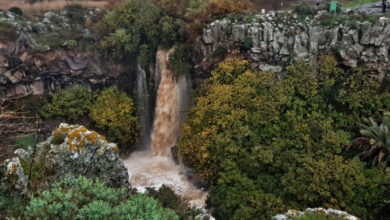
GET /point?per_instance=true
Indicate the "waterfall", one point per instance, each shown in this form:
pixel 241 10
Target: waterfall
pixel 165 128
pixel 143 105
pixel 155 166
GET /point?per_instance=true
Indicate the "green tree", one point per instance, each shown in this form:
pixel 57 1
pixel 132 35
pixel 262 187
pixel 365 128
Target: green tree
pixel 260 142
pixel 70 104
pixel 82 198
pixel 136 23
pixel 115 113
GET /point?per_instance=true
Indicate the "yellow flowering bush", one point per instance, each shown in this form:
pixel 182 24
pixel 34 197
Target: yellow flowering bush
pixel 114 112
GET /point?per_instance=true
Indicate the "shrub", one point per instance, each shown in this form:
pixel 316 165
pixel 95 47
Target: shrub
pixel 180 60
pixel 16 10
pixel 8 32
pixel 82 198
pixel 303 10
pixel 263 144
pixel 70 104
pixel 115 113
pixel 168 199
pixel 135 23
pixel 12 204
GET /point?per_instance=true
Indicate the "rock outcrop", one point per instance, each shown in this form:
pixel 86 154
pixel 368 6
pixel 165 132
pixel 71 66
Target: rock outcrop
pixel 274 40
pixel 321 212
pixel 70 150
pixel 38 60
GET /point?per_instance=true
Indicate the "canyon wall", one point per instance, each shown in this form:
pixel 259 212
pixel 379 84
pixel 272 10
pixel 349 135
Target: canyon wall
pixel 270 41
pixel 36 57
pixel 274 40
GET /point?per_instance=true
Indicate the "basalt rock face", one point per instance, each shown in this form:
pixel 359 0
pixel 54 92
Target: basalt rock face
pixel 274 40
pixel 38 59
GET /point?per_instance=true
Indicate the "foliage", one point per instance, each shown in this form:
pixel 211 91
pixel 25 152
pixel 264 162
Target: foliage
pixel 373 198
pixel 114 112
pixel 311 217
pixel 303 10
pixel 16 10
pixel 136 23
pixel 82 198
pixel 70 44
pixel 201 12
pixel 355 3
pixel 37 175
pixel 180 60
pixel 133 24
pixel 281 142
pixel 168 199
pixel 70 104
pixel 376 140
pixel 12 204
pixel 7 31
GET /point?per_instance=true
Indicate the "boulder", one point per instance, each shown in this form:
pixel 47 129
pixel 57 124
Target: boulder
pixel 71 150
pixel 327 213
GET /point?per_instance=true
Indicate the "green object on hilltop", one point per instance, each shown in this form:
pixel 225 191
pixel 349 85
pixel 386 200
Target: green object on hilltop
pixel 333 7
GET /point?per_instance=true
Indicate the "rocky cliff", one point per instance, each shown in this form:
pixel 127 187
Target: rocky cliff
pixel 40 55
pixel 273 40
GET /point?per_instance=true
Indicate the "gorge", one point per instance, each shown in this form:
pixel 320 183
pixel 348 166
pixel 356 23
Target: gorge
pixel 198 109
pixel 154 165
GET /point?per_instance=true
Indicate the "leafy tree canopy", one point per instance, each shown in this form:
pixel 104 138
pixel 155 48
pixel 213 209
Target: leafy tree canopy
pixel 114 112
pixel 261 143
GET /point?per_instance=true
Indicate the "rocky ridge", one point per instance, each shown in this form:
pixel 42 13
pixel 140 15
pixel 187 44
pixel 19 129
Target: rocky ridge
pixel 43 56
pixel 274 40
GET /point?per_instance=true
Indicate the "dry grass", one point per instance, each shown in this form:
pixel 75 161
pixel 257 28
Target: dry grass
pixel 40 7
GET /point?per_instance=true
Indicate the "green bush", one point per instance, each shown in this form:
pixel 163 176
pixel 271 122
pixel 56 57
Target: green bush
pixel 168 199
pixel 70 104
pixel 303 10
pixel 12 204
pixel 16 10
pixel 136 23
pixel 180 60
pixel 263 144
pixel 115 113
pixel 82 198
